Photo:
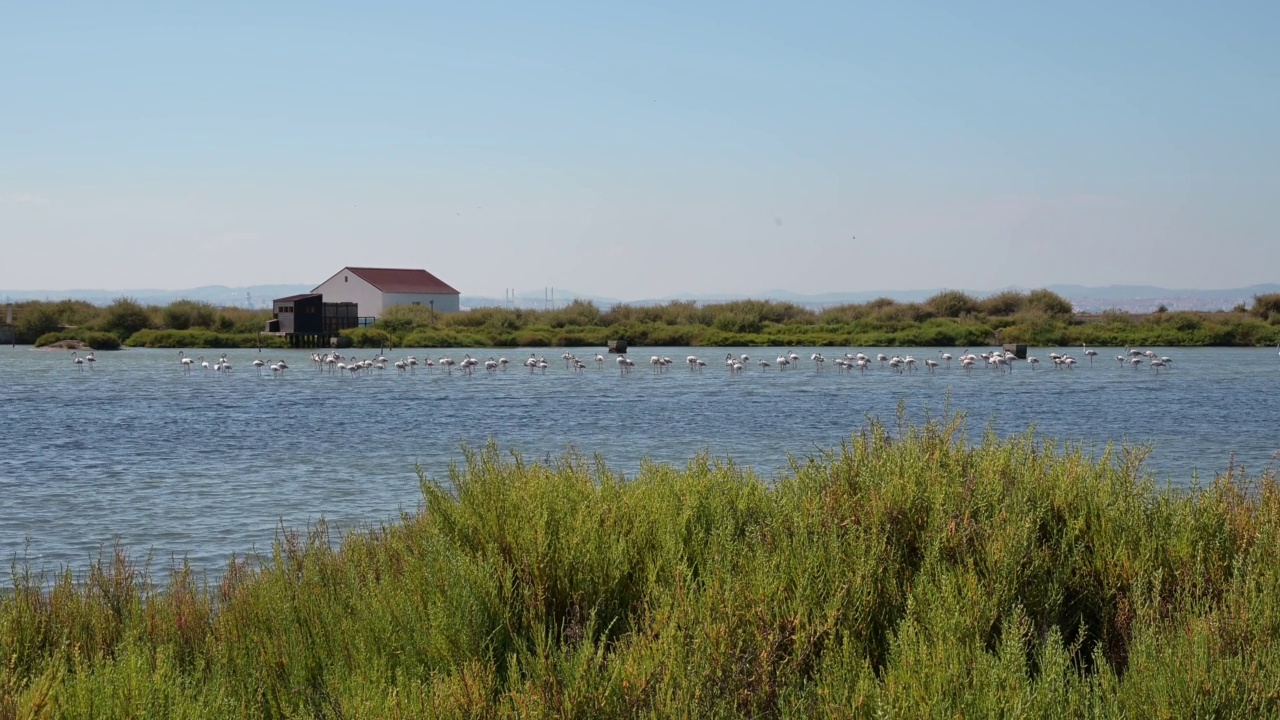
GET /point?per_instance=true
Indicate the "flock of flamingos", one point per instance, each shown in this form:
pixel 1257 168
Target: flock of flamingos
pixel 999 361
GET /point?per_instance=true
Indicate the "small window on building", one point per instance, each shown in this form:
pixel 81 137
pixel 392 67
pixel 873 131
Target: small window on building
pixel 345 278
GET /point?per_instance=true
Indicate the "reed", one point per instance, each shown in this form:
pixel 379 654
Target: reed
pixel 910 572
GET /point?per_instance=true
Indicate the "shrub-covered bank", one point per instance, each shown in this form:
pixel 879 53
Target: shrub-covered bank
pixel 908 574
pixel 949 318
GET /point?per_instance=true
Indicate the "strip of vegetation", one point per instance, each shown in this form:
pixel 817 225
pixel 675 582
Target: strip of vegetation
pixel 948 319
pixel 94 339
pixel 202 339
pixel 910 573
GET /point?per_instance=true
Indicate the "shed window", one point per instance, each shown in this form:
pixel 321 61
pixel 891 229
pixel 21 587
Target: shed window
pixel 345 278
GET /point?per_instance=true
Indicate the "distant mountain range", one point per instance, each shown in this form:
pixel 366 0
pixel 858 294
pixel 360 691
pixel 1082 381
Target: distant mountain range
pixel 1132 298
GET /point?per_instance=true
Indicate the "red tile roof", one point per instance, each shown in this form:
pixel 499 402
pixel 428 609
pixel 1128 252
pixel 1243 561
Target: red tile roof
pixel 393 280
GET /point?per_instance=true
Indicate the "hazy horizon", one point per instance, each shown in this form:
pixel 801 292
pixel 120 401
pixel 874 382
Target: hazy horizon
pixel 641 151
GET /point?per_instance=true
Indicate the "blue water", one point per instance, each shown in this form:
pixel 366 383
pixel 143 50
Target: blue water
pixel 203 465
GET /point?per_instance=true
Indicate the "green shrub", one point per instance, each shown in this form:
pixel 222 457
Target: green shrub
pixel 178 339
pixel 952 304
pixel 363 337
pixel 187 314
pixel 1003 303
pixel 96 340
pixel 1049 303
pixel 909 572
pixel 125 317
pixel 33 320
pixel 1266 306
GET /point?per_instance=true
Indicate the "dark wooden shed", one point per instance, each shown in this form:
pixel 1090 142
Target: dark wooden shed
pixel 308 321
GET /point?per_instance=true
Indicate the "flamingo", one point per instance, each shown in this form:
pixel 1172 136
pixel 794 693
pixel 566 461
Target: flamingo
pixel 184 361
pixel 1090 352
pixel 946 357
pixel 277 369
pixel 90 359
pixel 77 361
pixel 258 364
pixel 1156 364
pixel 930 363
pixel 1033 360
pixel 764 365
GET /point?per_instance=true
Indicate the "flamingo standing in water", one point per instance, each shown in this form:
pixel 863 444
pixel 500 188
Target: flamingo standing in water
pixel 1091 353
pixel 77 361
pixel 185 361
pixel 90 359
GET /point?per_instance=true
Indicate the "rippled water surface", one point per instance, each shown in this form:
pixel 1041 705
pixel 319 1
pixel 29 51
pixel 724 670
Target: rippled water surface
pixel 202 464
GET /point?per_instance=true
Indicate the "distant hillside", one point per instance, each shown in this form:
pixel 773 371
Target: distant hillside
pixel 1132 298
pixel 256 296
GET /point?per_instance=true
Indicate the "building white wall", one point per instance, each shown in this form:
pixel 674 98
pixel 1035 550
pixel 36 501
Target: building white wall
pixel 348 287
pixel 441 303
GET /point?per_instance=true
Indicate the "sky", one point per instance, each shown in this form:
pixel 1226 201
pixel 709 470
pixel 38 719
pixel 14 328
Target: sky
pixel 640 150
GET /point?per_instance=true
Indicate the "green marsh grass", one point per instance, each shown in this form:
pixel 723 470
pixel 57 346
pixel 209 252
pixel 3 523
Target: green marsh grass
pixel 909 573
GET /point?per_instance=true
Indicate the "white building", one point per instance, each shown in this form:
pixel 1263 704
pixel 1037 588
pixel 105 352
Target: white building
pixel 376 289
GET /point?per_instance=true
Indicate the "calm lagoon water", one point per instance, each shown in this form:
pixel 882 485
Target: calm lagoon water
pixel 202 465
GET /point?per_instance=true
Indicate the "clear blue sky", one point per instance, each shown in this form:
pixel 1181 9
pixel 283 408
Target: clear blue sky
pixel 641 149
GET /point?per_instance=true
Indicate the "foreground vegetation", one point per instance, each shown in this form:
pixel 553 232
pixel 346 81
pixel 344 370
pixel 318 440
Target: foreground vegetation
pixel 908 574
pixel 950 318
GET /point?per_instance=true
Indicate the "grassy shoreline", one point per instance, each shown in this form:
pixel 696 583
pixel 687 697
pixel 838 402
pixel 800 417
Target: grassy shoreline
pixel 948 319
pixel 912 572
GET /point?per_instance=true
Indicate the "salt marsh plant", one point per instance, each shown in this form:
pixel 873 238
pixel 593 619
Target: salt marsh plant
pixel 910 572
